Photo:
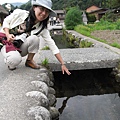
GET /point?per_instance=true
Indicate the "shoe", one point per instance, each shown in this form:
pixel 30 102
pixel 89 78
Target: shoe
pixel 11 68
pixel 32 64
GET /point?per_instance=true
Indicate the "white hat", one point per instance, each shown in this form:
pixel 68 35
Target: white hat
pixel 45 3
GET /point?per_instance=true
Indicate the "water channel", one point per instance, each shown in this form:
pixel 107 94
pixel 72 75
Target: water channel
pixel 86 94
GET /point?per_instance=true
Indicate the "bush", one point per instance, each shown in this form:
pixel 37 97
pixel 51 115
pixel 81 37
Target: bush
pixel 91 18
pixel 110 16
pixel 73 18
pixel 118 24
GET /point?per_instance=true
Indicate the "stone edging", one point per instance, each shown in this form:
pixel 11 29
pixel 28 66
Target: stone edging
pixel 44 94
pixel 95 42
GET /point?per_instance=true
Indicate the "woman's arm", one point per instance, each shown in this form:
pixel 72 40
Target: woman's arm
pixel 50 42
pixel 63 67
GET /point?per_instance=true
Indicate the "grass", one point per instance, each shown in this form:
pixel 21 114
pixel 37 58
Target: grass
pixel 102 25
pixel 85 43
pixel 115 45
pixel 45 63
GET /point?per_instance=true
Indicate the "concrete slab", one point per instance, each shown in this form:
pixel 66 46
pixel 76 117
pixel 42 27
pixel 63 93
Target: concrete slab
pixel 82 58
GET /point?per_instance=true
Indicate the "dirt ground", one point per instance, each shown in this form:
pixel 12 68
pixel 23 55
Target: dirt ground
pixel 108 35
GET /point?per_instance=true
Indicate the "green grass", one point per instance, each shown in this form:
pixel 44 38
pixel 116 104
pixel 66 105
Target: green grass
pixel 115 45
pixel 45 63
pixel 85 44
pixel 102 25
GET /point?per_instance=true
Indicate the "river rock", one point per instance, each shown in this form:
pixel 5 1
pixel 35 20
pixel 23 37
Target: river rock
pixel 39 96
pixel 52 99
pixel 54 113
pixel 39 113
pixel 42 86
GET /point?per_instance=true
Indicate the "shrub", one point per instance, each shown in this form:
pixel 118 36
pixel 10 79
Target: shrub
pixel 110 16
pixel 91 18
pixel 118 24
pixel 73 18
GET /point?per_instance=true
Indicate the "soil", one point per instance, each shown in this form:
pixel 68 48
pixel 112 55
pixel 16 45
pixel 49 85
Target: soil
pixel 108 35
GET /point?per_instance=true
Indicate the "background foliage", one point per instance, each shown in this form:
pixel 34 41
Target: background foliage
pixel 83 4
pixel 73 18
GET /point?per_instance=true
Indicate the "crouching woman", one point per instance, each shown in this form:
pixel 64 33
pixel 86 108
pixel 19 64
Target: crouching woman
pixel 28 26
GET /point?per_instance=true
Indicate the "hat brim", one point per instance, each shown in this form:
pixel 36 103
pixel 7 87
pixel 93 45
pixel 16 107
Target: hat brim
pixel 52 12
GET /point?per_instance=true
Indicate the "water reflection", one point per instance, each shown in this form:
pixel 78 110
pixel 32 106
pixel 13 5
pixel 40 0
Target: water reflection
pixel 63 105
pixel 95 107
pixel 87 95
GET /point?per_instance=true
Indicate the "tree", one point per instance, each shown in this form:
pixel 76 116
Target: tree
pixel 73 18
pixel 26 6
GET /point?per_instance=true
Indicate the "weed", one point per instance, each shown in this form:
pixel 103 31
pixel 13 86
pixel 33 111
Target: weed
pixel 45 63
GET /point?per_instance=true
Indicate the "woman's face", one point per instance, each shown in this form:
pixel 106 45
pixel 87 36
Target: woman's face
pixel 41 13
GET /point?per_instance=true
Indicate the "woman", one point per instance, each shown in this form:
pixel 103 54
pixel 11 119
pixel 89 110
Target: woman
pixel 28 27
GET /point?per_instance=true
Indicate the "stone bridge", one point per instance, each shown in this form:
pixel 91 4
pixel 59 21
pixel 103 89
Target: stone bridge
pixel 82 58
pixel 16 88
pixel 99 56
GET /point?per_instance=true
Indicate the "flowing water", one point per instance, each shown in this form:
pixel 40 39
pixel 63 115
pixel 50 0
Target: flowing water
pixel 87 94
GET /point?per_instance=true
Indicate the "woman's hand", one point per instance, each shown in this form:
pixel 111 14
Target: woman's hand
pixel 10 37
pixel 64 69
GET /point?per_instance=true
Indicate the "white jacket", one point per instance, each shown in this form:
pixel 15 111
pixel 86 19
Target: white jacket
pixel 18 17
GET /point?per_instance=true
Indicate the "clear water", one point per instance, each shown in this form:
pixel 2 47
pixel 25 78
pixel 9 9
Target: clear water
pixel 95 107
pixel 86 94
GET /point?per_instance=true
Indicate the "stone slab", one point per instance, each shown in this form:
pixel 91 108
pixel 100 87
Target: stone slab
pixel 81 58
